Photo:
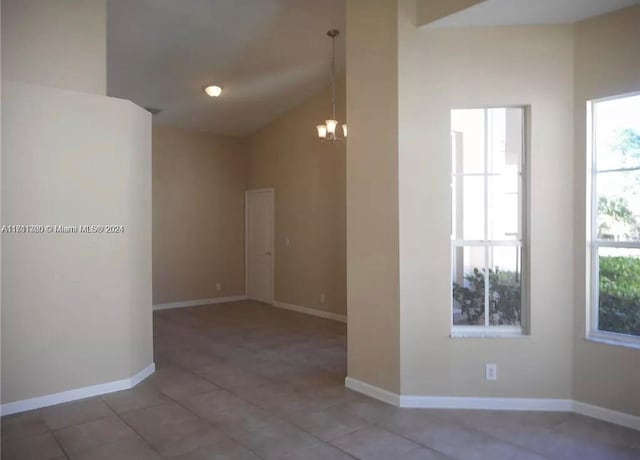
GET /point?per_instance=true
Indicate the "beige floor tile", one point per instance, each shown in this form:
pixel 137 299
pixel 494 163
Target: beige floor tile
pixel 275 440
pixel 130 448
pixel 163 414
pixel 332 394
pixel 38 447
pixel 591 430
pixel 191 358
pixel 371 410
pixel 92 434
pixel 175 439
pixel 230 377
pixel 262 392
pixel 541 433
pixel 289 403
pixel 24 424
pixel 142 396
pixel 178 383
pixel 319 452
pixel 424 453
pixel 227 449
pixel 328 424
pixel 74 413
pixel 370 443
pixel 244 381
pixel 222 407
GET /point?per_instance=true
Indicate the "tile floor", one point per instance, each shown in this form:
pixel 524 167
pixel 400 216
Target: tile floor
pixel 248 381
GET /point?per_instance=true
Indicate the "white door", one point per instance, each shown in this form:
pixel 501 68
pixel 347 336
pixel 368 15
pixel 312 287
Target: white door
pixel 259 244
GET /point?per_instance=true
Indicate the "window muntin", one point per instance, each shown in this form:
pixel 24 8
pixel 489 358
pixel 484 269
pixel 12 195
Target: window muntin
pixel 615 219
pixel 487 220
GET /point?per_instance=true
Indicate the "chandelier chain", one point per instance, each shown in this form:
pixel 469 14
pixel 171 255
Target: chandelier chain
pixel 333 75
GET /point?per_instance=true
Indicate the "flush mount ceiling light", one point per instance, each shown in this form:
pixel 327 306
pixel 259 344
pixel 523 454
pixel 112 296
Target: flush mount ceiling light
pixel 212 90
pixel 327 131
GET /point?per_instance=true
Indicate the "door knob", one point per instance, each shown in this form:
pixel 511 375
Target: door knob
pixel 267 253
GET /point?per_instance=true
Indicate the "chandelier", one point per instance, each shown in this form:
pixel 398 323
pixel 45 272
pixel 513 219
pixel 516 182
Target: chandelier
pixel 327 131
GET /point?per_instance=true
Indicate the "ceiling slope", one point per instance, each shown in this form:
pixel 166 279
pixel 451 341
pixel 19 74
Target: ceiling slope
pixel 268 54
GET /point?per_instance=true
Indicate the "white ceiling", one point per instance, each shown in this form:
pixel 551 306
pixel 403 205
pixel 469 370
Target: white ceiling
pixel 521 12
pixel 268 54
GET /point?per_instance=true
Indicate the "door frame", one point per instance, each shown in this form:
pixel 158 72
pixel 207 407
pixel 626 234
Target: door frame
pixel 247 193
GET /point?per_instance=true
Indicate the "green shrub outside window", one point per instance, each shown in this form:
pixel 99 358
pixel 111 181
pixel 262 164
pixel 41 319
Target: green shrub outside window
pixel 619 295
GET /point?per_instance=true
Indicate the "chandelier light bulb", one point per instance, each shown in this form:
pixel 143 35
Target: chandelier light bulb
pixel 322 131
pixel 344 130
pixel 331 126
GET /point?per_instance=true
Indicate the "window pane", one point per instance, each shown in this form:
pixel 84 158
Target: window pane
pixel 619 290
pixel 468 140
pixel 504 207
pixel 468 212
pixel 505 278
pixel 505 140
pixel 468 285
pixel 617 133
pixel 618 206
pixel 487 159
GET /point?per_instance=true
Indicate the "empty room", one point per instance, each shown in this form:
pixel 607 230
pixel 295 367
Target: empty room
pixel 320 229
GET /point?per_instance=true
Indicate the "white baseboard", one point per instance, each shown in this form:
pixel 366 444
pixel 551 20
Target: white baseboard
pixel 310 311
pixel 524 404
pixel 372 391
pixel 78 393
pixel 608 415
pixel 481 403
pixel 198 302
pixel 143 374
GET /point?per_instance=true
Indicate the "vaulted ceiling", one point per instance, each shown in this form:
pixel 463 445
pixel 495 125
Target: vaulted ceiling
pixel 268 54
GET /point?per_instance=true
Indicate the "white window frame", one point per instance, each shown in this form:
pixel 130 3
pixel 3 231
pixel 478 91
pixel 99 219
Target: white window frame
pixel 593 244
pixel 487 330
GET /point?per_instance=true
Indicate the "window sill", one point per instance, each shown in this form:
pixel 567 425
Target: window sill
pixel 606 339
pixel 494 332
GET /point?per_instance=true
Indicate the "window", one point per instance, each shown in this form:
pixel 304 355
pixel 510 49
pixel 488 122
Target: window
pixel 614 234
pixel 488 231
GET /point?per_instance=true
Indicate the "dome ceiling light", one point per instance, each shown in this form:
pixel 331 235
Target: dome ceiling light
pixel 213 90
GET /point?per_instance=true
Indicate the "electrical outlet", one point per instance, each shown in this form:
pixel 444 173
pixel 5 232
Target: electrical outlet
pixel 218 286
pixel 491 372
pixel 323 299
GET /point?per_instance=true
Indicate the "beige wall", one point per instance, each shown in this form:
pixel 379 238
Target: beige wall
pixel 372 193
pixel 60 43
pixel 606 64
pixel 408 186
pixel 445 69
pixel 76 308
pixel 308 177
pixel 431 10
pixel 198 215
pixel 198 189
